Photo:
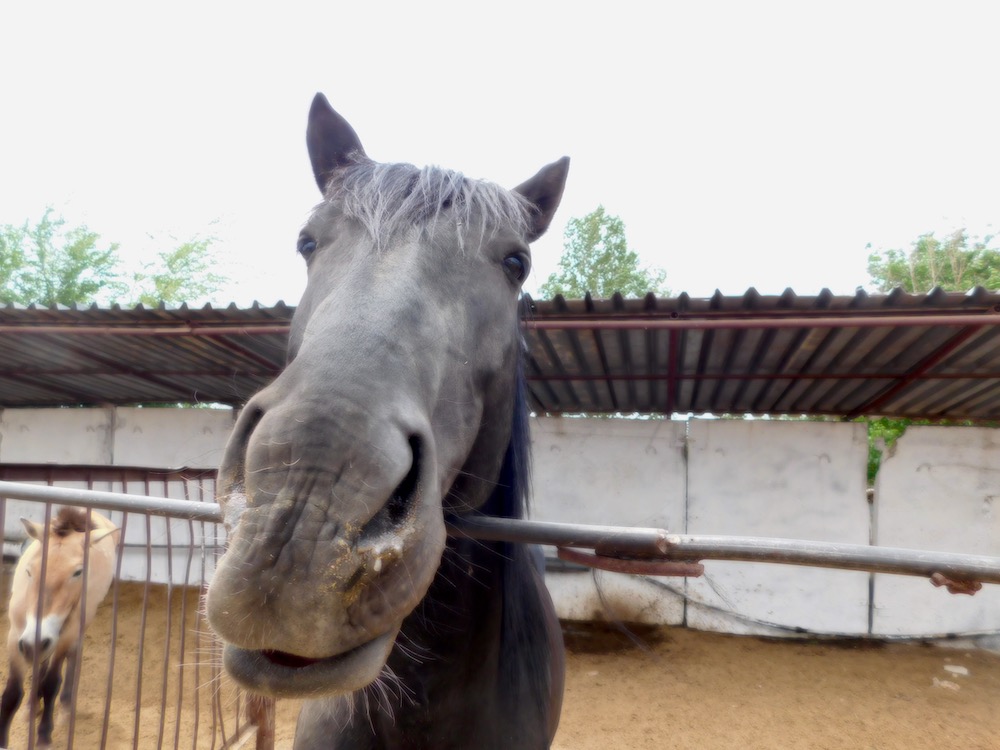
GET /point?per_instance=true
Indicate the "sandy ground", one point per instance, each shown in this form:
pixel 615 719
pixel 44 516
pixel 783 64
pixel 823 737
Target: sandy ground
pixel 674 688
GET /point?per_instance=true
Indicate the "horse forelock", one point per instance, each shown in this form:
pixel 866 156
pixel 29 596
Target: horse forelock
pixel 71 521
pixel 388 199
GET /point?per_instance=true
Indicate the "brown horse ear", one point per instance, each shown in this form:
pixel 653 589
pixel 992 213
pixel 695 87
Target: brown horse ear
pixel 96 536
pixel 544 190
pixel 331 140
pixel 35 530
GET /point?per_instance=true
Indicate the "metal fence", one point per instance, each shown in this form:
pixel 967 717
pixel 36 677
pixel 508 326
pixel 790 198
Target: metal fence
pixel 150 672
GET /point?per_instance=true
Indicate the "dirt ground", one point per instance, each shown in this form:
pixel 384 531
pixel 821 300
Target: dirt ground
pixel 674 688
pixel 688 690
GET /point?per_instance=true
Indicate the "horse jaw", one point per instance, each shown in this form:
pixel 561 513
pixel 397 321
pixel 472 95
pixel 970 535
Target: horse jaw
pixel 323 562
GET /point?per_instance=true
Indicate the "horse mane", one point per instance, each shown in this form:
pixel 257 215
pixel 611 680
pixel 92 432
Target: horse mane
pixel 522 626
pixel 71 521
pixel 389 198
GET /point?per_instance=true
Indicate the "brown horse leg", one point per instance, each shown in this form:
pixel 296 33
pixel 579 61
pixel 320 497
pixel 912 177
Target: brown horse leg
pixel 12 696
pixel 51 681
pixel 66 696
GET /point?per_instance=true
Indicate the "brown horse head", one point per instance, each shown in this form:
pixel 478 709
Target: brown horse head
pixel 62 556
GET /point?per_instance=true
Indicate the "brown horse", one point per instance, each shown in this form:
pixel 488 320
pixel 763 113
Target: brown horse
pixel 403 402
pixel 45 615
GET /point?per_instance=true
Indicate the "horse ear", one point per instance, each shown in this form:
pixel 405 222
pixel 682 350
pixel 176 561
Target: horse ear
pixel 35 530
pixel 331 140
pixel 96 536
pixel 544 190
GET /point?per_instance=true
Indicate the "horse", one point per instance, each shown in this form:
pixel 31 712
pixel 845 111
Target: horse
pixel 45 614
pixel 403 403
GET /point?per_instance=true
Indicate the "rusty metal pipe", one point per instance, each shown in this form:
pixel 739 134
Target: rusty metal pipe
pixel 659 544
pixel 610 541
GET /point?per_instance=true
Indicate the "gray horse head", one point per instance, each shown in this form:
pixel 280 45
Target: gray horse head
pixel 395 407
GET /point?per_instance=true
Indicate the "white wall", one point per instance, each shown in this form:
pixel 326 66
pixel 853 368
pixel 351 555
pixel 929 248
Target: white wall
pixel 797 480
pixel 618 473
pixel 122 436
pixel 56 436
pixel 802 480
pixel 134 437
pixel 938 490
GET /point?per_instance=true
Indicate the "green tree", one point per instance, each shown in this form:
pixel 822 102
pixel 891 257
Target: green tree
pixel 955 263
pixel 46 263
pixel 182 275
pixel 596 259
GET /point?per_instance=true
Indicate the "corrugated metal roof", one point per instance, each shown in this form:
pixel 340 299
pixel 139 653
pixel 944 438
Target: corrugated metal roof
pixel 60 356
pixel 933 355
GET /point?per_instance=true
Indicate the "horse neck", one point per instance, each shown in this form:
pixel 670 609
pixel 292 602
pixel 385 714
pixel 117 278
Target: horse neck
pixel 481 634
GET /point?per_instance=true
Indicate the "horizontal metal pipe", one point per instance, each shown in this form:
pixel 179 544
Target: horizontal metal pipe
pixel 179 329
pixel 156 506
pixel 897 560
pixel 629 542
pixel 844 321
pixel 611 323
pixel 612 541
pixel 736 376
pixel 658 543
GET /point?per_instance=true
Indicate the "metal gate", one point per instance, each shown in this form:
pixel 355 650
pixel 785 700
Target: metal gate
pixel 150 674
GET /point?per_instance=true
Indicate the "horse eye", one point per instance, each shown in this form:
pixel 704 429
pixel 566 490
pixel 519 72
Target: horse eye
pixel 516 266
pixel 307 246
pixel 78 573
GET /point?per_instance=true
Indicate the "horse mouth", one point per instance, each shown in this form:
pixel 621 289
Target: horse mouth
pixel 286 675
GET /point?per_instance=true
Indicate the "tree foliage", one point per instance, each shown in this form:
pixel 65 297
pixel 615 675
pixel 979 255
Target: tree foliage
pixel 596 259
pixel 181 275
pixel 955 263
pixel 48 263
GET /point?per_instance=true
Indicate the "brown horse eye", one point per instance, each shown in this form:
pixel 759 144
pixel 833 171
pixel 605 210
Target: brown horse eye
pixel 516 267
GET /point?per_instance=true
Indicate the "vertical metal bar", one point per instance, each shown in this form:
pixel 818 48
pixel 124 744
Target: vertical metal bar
pixel 73 676
pixel 3 537
pixel 36 665
pixel 260 713
pixel 170 618
pixel 199 649
pixel 142 628
pixel 183 636
pixel 114 630
pixel 220 727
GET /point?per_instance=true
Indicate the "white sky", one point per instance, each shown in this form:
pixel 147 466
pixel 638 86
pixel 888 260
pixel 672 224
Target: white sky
pixel 743 144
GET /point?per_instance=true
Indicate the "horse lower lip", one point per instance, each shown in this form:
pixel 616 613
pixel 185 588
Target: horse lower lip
pixel 285 659
pixel 283 674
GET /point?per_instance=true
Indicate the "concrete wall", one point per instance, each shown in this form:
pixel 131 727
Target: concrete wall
pixel 802 480
pixel 134 437
pixel 798 480
pixel 611 472
pixel 938 490
pixel 122 436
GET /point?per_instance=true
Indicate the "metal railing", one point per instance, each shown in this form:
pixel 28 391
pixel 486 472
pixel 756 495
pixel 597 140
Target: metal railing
pixel 177 540
pixel 149 673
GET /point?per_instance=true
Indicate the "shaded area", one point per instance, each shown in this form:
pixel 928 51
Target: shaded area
pixel 924 356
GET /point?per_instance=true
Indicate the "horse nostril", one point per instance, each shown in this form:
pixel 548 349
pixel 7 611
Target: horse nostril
pixel 45 644
pixel 398 506
pixel 402 497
